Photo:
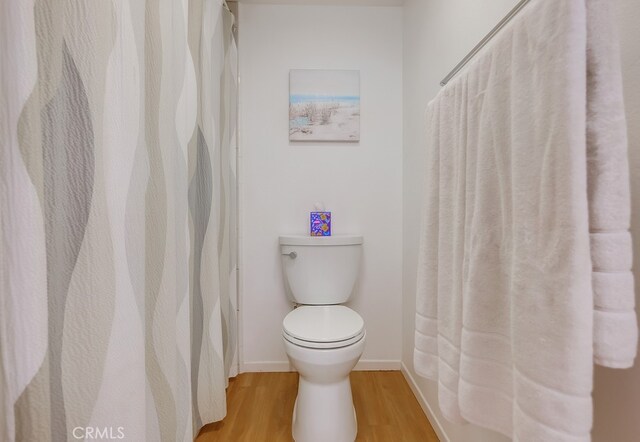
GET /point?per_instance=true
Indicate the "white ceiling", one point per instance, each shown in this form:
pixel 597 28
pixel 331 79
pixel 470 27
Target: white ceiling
pixel 330 2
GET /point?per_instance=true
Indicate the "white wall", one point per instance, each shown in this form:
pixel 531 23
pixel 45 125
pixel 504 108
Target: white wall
pixel 437 34
pixel 361 183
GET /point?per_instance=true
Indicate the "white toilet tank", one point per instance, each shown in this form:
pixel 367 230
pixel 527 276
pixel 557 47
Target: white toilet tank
pixel 320 270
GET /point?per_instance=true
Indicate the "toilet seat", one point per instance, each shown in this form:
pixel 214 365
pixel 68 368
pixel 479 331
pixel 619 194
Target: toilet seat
pixel 323 345
pixel 323 326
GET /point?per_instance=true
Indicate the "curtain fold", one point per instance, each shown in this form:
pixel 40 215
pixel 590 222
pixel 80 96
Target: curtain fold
pixel 117 218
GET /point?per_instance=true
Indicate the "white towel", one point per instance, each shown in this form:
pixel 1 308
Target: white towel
pixel 615 324
pixel 527 193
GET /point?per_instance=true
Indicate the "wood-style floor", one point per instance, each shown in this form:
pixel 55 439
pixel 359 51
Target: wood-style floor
pixel 260 405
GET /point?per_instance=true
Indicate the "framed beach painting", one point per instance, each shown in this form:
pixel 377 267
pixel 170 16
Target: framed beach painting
pixel 324 105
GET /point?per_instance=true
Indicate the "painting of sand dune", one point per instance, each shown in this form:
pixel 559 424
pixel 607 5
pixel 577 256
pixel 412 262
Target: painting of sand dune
pixel 324 105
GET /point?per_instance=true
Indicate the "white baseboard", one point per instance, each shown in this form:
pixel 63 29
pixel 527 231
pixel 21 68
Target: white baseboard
pixel 280 366
pixel 426 408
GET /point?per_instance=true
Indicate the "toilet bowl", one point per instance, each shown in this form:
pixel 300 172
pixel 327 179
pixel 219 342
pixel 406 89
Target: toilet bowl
pixel 324 343
pixel 322 338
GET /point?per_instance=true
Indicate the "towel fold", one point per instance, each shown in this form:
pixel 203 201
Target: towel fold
pixel 524 276
pixel 615 325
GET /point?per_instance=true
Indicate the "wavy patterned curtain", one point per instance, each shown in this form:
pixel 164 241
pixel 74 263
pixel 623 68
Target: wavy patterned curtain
pixel 117 218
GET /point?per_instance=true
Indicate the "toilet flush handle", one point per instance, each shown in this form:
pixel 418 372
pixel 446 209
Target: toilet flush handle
pixel 292 255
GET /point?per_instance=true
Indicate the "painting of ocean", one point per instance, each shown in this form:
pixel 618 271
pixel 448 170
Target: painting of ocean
pixel 324 105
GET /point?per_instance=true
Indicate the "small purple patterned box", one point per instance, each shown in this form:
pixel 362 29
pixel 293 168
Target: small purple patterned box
pixel 320 223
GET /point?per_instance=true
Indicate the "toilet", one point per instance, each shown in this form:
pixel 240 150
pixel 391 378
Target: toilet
pixel 322 338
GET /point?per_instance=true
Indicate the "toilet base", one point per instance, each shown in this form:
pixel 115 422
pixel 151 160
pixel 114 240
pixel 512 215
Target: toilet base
pixel 324 412
pixel 324 409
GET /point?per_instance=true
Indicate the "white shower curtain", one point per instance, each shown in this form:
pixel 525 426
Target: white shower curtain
pixel 117 214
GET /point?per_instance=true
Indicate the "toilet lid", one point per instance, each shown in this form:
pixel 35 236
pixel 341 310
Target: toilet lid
pixel 323 323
